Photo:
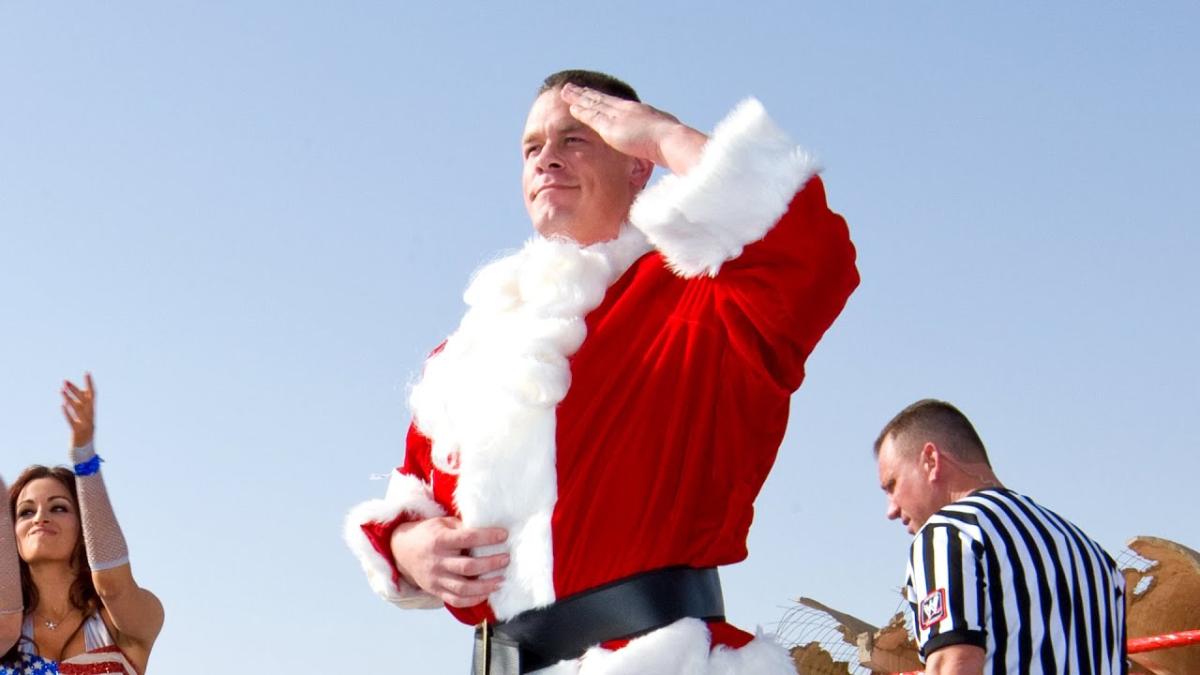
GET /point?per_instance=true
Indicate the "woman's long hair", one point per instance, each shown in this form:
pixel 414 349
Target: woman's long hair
pixel 83 593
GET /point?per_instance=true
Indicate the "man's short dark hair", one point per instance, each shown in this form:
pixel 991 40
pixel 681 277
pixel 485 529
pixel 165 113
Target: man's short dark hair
pixel 938 421
pixel 601 82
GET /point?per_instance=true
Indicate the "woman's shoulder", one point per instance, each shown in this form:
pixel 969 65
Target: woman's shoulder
pixel 109 646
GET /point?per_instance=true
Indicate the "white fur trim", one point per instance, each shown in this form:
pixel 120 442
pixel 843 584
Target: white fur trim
pixel 487 400
pixel 680 649
pixel 746 177
pixel 405 494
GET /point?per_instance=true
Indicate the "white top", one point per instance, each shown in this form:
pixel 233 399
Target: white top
pixel 95 634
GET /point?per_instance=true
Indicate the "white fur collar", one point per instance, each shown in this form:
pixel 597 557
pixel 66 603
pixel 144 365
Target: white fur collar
pixel 487 400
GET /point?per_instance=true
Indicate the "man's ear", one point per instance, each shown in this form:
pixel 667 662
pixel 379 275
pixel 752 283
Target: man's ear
pixel 639 172
pixel 930 461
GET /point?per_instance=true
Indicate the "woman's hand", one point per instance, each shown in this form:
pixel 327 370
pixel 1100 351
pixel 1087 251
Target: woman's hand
pixel 79 407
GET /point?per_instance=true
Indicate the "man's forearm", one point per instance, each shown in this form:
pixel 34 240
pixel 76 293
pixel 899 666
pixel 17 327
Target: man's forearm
pixel 679 149
pixel 956 660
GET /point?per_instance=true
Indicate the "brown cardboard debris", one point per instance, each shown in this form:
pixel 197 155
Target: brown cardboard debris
pixel 889 649
pixel 849 626
pixel 883 650
pixel 812 660
pixel 1170 603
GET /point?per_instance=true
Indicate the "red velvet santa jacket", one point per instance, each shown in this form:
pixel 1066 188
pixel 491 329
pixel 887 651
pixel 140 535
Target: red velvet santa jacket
pixel 617 407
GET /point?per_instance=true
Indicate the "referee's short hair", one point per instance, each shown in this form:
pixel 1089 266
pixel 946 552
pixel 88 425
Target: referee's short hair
pixel 938 421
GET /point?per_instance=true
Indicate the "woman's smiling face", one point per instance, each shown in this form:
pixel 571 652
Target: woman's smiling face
pixel 47 521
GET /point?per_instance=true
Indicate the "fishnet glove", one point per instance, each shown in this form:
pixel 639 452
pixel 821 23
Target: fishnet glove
pixel 102 536
pixel 10 572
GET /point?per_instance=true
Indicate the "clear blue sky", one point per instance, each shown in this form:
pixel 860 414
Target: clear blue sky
pixel 252 220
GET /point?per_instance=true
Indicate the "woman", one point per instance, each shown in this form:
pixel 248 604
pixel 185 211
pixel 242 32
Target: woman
pixel 68 600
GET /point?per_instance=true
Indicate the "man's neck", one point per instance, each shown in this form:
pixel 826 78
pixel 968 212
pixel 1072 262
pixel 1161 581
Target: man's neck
pixel 584 236
pixel 972 478
pixel 584 241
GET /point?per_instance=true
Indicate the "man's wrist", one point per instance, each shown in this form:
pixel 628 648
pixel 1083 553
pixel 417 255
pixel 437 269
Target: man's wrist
pixel 396 547
pixel 680 147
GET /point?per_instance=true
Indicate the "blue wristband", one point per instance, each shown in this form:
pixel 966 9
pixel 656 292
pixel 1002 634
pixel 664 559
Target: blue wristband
pixel 89 467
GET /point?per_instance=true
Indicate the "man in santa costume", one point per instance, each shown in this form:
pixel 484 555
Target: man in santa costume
pixel 587 446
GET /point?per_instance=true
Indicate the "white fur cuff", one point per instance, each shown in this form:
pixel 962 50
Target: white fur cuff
pixel 405 494
pixel 746 177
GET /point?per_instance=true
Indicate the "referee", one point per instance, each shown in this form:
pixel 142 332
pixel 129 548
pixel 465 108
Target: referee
pixel 997 583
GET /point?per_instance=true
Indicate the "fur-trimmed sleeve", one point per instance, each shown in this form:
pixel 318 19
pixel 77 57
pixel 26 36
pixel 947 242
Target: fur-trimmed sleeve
pixel 747 174
pixel 369 526
pixel 750 225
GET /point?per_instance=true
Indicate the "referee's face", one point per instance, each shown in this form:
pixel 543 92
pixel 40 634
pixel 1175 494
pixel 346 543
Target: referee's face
pixel 906 479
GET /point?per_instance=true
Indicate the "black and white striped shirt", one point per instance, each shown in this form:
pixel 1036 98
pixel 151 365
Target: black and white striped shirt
pixel 998 571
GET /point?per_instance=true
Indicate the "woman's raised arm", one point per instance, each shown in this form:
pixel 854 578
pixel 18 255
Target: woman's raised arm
pixel 12 609
pixel 135 612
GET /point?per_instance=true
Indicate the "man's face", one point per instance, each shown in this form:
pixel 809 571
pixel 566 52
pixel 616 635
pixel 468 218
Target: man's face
pixel 575 184
pixel 907 479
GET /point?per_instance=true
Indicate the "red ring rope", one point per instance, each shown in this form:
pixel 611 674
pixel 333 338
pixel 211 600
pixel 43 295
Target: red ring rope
pixel 1146 644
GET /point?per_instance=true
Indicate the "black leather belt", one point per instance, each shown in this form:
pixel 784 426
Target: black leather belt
pixel 621 609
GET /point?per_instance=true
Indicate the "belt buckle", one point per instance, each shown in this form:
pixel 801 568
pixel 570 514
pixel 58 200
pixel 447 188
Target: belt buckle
pixel 494 655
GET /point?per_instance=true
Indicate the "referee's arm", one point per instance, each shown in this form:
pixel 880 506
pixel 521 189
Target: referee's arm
pixel 956 660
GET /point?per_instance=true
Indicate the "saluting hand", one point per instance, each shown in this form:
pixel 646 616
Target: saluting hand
pixel 79 407
pixel 636 129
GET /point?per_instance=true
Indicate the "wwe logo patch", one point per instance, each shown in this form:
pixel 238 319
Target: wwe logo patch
pixel 933 608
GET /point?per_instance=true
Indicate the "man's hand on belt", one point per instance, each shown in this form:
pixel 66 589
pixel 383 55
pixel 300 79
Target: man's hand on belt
pixel 435 555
